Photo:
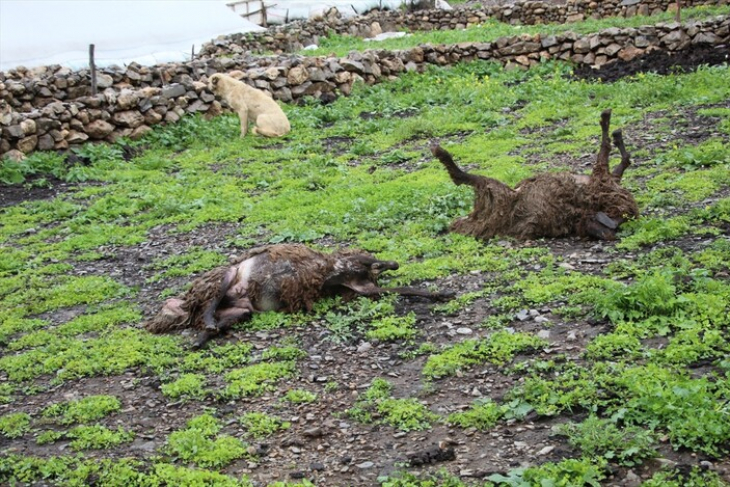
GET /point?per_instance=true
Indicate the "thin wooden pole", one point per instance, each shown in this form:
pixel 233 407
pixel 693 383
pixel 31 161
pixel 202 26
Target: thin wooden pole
pixel 92 64
pixel 678 18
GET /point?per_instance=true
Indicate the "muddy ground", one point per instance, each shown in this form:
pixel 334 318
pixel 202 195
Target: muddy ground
pixel 323 444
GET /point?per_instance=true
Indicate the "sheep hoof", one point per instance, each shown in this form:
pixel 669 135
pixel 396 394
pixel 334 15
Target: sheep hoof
pixel 606 220
pixel 201 340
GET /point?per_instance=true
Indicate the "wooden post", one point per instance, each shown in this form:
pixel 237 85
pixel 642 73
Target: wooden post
pixel 192 52
pixel 92 65
pixel 264 22
pixel 678 18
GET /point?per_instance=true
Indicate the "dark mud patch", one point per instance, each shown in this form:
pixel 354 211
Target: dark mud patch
pixel 337 144
pixel 660 62
pixel 32 190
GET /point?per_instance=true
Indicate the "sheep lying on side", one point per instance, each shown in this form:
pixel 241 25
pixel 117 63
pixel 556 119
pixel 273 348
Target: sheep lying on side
pixel 551 204
pixel 282 277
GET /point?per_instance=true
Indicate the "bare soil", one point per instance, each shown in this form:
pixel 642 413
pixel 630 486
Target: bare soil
pixel 323 444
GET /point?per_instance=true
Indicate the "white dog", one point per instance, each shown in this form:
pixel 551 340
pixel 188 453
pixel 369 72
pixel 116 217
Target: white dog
pixel 251 104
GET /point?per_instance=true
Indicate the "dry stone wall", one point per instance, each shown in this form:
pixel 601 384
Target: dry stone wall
pixel 294 36
pixel 32 119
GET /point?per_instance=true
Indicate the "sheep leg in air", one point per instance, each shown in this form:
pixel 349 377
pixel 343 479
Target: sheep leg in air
pixel 618 141
pixel 458 176
pixel 600 169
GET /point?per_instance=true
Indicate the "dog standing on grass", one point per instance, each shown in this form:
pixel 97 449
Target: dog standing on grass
pixel 252 105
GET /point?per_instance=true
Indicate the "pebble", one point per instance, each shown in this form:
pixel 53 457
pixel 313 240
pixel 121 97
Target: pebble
pixel 631 479
pixel 464 331
pixel 312 432
pixel 364 347
pixel 541 319
pixel 571 337
pixel 544 334
pixel 546 450
pixel 365 465
pixel 522 315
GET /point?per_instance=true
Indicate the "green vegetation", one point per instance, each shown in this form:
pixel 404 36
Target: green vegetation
pixel 261 425
pixel 499 348
pixel 97 437
pixel 602 438
pixel 187 386
pixel 255 379
pixel 647 369
pixel 14 425
pixel 197 444
pixel 84 410
pixel 403 414
pixel 300 396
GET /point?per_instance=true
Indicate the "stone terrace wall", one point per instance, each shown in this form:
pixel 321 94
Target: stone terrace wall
pixel 122 110
pixel 295 35
pixel 40 86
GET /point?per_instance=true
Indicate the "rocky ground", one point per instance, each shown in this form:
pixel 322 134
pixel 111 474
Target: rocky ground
pixel 323 444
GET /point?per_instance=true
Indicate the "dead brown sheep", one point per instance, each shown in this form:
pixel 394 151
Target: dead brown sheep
pixel 283 277
pixel 551 204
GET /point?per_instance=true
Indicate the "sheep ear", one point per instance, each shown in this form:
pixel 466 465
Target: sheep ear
pixel 384 265
pixel 361 287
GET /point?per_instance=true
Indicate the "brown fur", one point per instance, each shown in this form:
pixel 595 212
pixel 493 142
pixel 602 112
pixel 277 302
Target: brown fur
pixel 283 277
pixel 551 204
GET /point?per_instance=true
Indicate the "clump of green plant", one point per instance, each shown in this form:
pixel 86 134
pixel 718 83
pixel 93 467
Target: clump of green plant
pixel 261 425
pixel 647 231
pixel 300 396
pixel 98 437
pixel 483 415
pixel 499 348
pixel 693 411
pixel 571 472
pixel 85 410
pixel 390 328
pixel 14 425
pixel 288 352
pixel 187 386
pixel 614 345
pixel 596 437
pixel 652 295
pixel 360 311
pixel 407 479
pixel 217 359
pixel 77 470
pixel 49 436
pixel 111 352
pixel 572 387
pixel 6 393
pixel 459 302
pixel 403 414
pixel 197 444
pixel 40 164
pixel 257 378
pixel 696 477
